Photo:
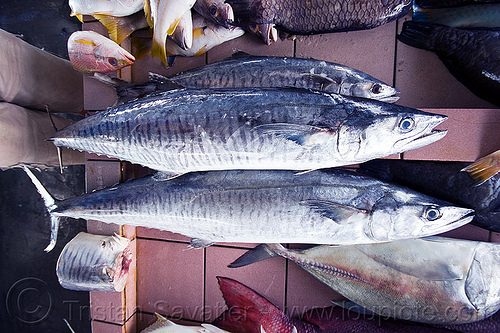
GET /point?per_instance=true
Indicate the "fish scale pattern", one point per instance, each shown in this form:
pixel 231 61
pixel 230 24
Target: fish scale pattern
pixel 305 17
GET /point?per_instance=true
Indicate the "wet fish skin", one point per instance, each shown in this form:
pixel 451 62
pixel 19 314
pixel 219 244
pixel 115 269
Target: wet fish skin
pixel 327 207
pixel 216 10
pixel 454 281
pixel 471 16
pixel 94 263
pixel 472 56
pixel 446 181
pixel 185 130
pixel 183 34
pixel 245 71
pixel 91 52
pixel 109 7
pixel 119 28
pixel 311 17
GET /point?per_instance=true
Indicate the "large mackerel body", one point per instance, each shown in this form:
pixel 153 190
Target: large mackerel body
pixel 187 130
pixel 332 206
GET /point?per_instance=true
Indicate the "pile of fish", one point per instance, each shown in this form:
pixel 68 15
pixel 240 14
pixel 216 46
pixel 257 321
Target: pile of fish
pixel 192 27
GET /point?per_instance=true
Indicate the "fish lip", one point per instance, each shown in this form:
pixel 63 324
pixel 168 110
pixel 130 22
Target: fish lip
pixel 390 99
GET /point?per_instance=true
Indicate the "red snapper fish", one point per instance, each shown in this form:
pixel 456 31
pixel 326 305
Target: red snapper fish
pixel 249 312
pixel 91 52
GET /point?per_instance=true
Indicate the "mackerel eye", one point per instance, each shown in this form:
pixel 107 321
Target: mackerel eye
pixel 432 213
pixel 407 124
pixel 112 61
pixel 377 88
pixel 212 10
pixel 103 244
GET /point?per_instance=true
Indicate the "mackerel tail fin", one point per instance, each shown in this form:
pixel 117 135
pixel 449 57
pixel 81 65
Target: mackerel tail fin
pixel 417 34
pixel 50 204
pixel 258 253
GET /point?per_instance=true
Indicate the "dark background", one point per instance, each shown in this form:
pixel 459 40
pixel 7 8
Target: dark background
pixel 31 298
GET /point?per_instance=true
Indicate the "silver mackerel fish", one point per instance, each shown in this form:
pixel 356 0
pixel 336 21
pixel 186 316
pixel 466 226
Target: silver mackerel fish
pixel 186 130
pixel 276 206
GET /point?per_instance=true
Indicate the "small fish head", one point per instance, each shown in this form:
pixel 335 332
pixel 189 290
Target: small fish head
pixel 111 58
pixel 222 13
pixel 391 129
pixel 482 286
pixel 116 270
pixel 367 89
pixel 402 214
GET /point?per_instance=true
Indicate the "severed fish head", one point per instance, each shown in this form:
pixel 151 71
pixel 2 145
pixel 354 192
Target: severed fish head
pixel 404 213
pixel 382 129
pixel 94 263
pixel 91 52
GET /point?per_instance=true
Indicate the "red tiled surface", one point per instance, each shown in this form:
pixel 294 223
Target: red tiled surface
pixel 180 282
pixel 170 279
pixel 266 277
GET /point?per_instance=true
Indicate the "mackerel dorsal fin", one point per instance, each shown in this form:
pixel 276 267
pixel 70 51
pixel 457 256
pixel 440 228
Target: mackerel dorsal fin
pixel 238 54
pixel 337 212
pixel 165 175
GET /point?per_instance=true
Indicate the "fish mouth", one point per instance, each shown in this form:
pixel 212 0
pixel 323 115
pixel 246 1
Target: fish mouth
pixel 427 136
pixel 390 99
pixel 467 216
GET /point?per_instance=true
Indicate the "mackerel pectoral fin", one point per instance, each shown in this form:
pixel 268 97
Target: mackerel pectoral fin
pixel 258 253
pixel 321 82
pixel 198 243
pixel 303 135
pixel 337 212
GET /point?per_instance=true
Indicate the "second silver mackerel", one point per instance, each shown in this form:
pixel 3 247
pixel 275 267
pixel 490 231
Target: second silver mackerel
pixel 186 130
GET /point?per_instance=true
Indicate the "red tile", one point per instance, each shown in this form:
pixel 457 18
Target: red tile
pixel 370 51
pixel 98 96
pixel 425 82
pixel 251 45
pixel 495 237
pixel 472 133
pixel 266 277
pixel 107 306
pixel 170 279
pixel 101 174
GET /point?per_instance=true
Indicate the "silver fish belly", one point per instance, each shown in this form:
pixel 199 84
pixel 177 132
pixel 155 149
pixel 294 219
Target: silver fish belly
pixel 94 263
pixel 328 207
pixel 187 130
pixel 433 280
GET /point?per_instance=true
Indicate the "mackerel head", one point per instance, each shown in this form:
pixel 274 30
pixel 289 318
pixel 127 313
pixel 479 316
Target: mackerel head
pixel 183 130
pixel 431 280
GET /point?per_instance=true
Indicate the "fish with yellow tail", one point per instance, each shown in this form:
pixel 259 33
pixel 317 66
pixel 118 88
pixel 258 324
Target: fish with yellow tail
pixel 108 7
pixel 164 16
pixel 432 280
pixel 206 35
pixel 484 168
pixel 90 52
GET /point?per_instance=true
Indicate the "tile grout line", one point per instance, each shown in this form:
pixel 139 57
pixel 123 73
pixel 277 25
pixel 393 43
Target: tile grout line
pixel 394 68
